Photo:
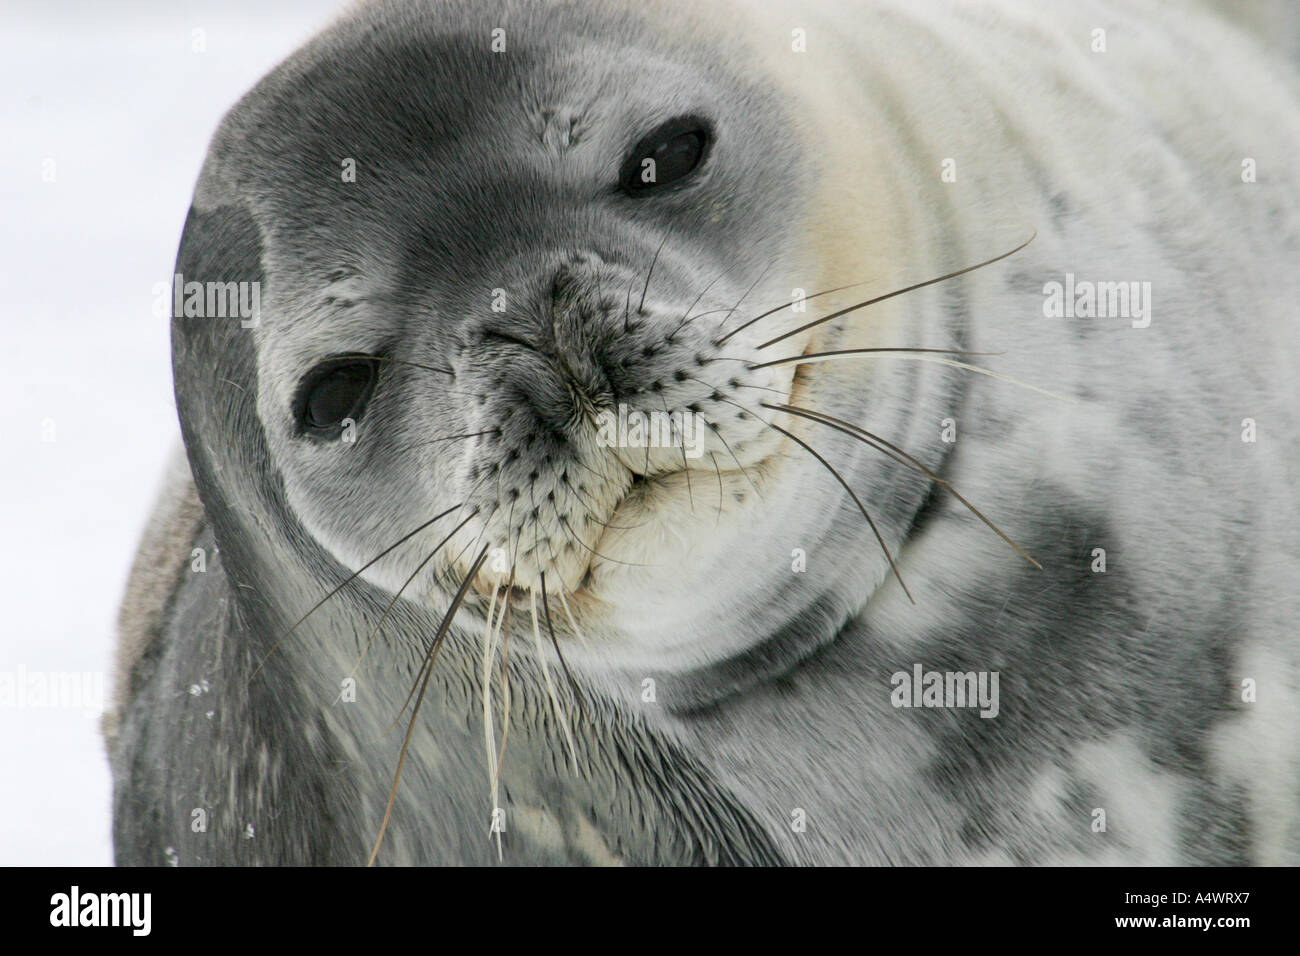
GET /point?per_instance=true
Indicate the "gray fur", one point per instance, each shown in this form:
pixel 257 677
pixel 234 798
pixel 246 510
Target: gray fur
pixel 175 523
pixel 1120 690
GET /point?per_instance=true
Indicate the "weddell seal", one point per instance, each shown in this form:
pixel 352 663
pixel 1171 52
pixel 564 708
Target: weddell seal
pixel 741 432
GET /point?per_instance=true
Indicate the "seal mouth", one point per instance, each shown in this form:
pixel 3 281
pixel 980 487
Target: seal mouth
pixel 642 511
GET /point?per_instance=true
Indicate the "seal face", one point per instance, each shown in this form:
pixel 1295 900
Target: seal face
pixel 642 388
pixel 534 240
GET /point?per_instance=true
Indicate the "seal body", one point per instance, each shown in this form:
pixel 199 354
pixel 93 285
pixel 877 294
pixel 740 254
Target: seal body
pixel 794 643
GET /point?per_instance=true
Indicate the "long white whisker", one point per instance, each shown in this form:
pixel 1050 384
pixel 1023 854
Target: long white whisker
pixel 489 736
pixel 550 686
pixel 572 623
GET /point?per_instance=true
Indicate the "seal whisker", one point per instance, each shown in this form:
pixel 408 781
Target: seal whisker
pixel 560 716
pixel 718 431
pixel 794 358
pixel 697 317
pixel 896 453
pixel 498 761
pixel 573 684
pixel 815 357
pixel 481 531
pixel 405 584
pixel 489 733
pixel 536 516
pixel 718 469
pixel 847 487
pixel 407 701
pixel 686 316
pixel 767 388
pixel 348 580
pixel 435 441
pixel 786 305
pixel 640 309
pixel 686 467
pixel 430 660
pixel 889 295
pixel 586 504
pixel 744 295
pixel 604 557
pixel 569 614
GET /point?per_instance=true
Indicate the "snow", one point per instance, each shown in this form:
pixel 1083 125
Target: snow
pixel 121 102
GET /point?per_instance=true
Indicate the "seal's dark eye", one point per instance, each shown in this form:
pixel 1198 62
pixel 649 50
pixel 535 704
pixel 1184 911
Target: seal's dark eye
pixel 666 156
pixel 336 389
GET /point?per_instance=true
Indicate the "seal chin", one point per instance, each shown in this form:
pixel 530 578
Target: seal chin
pixel 655 515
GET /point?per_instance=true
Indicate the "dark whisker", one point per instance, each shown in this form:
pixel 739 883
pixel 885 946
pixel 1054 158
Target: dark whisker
pixel 786 305
pixel 348 580
pixel 573 684
pixel 744 295
pixel 897 292
pixel 686 316
pixel 767 388
pixel 686 468
pixel 640 309
pixel 481 531
pixel 718 431
pixel 435 441
pixel 815 355
pixel 587 504
pixel 899 455
pixel 405 584
pixel 427 668
pixel 604 557
pixel 840 478
pixel 718 469
pixel 701 315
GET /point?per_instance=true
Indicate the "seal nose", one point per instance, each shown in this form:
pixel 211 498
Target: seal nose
pixel 582 328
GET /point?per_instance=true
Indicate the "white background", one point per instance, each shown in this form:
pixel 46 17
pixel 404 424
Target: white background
pixel 117 96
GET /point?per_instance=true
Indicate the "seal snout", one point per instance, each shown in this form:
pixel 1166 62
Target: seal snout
pixel 606 388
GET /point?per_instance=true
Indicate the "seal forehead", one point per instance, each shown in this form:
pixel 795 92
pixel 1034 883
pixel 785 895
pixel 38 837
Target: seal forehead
pixel 456 151
pixel 448 89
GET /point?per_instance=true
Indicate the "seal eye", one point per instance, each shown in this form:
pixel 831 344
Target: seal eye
pixel 666 156
pixel 335 389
